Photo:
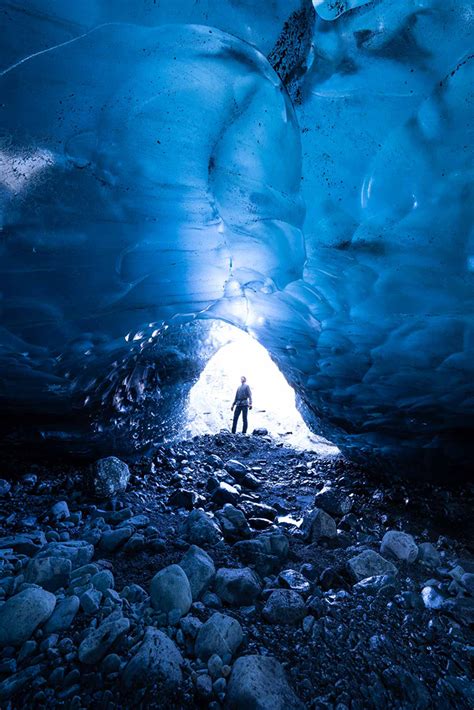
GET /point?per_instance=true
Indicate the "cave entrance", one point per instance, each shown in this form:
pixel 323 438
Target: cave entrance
pixel 274 407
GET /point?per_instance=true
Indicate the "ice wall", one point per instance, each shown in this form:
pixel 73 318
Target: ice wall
pixel 156 173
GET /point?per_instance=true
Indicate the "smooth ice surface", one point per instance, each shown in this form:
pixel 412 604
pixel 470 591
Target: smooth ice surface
pixel 158 173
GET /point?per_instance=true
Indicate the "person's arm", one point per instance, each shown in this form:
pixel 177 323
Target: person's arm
pixel 250 396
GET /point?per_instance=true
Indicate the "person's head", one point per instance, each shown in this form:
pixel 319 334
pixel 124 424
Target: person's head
pixel 243 379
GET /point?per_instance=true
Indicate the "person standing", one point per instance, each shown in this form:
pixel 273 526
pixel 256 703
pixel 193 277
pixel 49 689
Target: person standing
pixel 242 404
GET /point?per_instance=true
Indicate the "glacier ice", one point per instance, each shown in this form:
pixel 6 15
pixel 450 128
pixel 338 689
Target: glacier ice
pixel 153 173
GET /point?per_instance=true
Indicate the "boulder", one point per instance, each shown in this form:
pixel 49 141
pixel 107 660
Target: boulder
pixel 110 476
pixel 221 635
pixel 225 493
pixel 24 543
pixel 399 545
pixel 60 510
pixel 21 615
pixel 291 579
pixel 63 615
pixel 99 641
pixel 333 502
pixel 267 552
pixel 182 498
pixel 370 564
pixel 237 587
pixel 428 555
pixel 170 593
pixel 157 660
pixel 51 573
pixel 318 525
pixel 236 469
pixel 202 529
pixel 259 683
pixel 199 569
pixel 284 606
pixel 233 523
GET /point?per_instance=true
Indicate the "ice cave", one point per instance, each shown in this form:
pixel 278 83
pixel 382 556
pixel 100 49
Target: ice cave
pixel 195 190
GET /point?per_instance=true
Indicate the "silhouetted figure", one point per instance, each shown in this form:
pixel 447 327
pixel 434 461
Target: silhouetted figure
pixel 242 404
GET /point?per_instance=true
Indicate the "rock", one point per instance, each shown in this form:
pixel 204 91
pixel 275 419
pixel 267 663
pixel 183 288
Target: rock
pixel 432 599
pixel 63 615
pixel 5 487
pixel 236 469
pixel 202 529
pixel 51 573
pixel 317 525
pixel 214 461
pixel 374 585
pixel 170 593
pixel 267 552
pixel 103 580
pixel 110 476
pixel 428 555
pixel 467 581
pixel 24 543
pixel 182 498
pixel 113 539
pixel 157 660
pixel 333 502
pixel 462 609
pixel 284 606
pixel 250 481
pixel 225 493
pixel 134 544
pixel 259 510
pixel 233 523
pixel 16 682
pixel 199 569
pixel 237 587
pixel 290 579
pixel 221 635
pixel 261 431
pixel 60 510
pixel 370 564
pixel 399 545
pixel 90 601
pixel 259 683
pixel 98 642
pixel 21 615
pixel 78 551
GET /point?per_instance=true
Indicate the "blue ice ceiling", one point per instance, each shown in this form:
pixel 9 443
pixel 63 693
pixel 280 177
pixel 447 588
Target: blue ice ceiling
pixel 303 172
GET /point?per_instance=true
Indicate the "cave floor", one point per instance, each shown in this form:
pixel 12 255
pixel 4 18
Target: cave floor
pixel 354 648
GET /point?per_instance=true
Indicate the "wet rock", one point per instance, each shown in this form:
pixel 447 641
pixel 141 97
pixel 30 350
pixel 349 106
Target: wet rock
pixel 21 615
pixel 331 578
pixel 170 593
pixel 374 585
pixel 284 606
pixel 428 555
pixel 51 573
pixel 260 682
pixel 221 635
pixel 290 579
pixel 233 523
pixel 369 564
pixel 157 660
pixel 24 543
pixel 237 587
pixel 199 569
pixel 63 615
pixel 183 498
pixel 399 545
pixel 260 523
pixel 261 431
pixel 112 539
pixel 333 502
pixel 110 477
pixel 267 552
pixel 318 525
pixel 202 529
pixel 259 510
pixel 225 493
pixel 236 469
pixel 98 642
pixel 78 551
pixel 250 481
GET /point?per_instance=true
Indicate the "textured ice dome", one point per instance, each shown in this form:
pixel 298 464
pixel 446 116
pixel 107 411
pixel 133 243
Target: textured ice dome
pixel 152 174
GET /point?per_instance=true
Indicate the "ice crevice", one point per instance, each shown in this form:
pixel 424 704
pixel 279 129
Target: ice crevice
pixel 157 176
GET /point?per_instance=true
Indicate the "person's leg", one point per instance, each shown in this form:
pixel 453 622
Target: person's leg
pixel 236 418
pixel 244 417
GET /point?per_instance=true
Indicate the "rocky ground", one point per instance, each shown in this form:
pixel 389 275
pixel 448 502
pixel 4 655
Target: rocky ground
pixel 233 572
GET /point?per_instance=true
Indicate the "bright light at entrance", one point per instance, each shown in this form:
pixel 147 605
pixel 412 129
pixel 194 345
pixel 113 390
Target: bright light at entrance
pixel 210 400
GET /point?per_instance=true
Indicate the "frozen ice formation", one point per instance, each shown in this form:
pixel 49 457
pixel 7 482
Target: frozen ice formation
pixel 153 174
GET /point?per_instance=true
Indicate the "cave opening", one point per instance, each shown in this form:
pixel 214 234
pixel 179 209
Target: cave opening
pixel 208 408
